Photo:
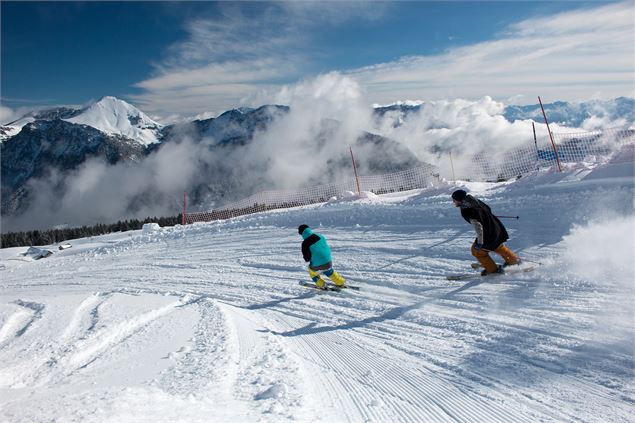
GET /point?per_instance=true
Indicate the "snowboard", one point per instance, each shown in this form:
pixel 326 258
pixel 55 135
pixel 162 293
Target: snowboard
pixel 329 286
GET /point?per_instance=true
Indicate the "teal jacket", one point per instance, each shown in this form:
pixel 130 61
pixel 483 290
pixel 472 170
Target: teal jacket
pixel 315 249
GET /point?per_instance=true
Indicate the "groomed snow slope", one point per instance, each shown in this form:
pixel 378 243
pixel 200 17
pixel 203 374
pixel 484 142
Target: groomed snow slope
pixel 208 323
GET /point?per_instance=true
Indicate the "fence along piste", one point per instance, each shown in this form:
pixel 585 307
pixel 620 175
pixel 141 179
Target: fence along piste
pixel 588 147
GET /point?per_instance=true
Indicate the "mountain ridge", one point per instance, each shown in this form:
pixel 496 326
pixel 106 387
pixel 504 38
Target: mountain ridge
pixel 216 159
pixel 570 114
pixel 62 140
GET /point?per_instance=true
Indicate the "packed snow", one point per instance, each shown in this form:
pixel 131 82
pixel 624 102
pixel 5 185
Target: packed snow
pixel 207 322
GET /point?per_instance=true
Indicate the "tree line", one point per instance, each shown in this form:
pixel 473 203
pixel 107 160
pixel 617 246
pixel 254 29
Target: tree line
pixel 53 236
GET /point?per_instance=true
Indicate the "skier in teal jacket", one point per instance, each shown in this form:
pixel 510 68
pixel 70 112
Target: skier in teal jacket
pixel 316 251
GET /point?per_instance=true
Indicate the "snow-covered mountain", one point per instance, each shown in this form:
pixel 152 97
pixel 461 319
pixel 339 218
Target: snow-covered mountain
pixel 61 139
pixel 113 131
pixel 46 146
pixel 116 117
pixel 213 163
pixel 13 128
pixel 109 115
pixel 235 126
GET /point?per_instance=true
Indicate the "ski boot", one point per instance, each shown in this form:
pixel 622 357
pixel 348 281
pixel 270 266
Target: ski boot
pixel 317 279
pixel 319 282
pixel 337 279
pixel 499 271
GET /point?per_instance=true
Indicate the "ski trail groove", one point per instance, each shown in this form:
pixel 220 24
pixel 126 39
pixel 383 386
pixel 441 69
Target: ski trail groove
pixel 197 368
pixel 20 321
pixel 91 306
pixel 267 376
pixel 347 356
pixel 88 349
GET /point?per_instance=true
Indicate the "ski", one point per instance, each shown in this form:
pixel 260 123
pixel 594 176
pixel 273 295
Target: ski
pixel 477 265
pixel 314 286
pixel 510 270
pixel 347 286
pixel 463 276
pixel 329 286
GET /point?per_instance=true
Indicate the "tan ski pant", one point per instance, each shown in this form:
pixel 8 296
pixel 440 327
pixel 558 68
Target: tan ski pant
pixel 486 261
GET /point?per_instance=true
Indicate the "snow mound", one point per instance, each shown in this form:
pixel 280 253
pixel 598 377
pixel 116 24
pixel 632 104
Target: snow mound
pixel 277 390
pixel 37 253
pixel 351 196
pixel 150 228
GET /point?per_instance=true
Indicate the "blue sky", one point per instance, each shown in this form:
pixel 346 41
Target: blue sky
pixel 189 58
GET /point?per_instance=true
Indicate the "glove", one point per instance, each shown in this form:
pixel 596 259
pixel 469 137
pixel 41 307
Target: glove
pixel 477 246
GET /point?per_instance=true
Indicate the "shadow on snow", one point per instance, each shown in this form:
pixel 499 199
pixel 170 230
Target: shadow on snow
pixel 391 314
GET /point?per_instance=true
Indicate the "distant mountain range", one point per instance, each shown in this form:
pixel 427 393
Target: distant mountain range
pixel 60 140
pixel 45 145
pixel 572 115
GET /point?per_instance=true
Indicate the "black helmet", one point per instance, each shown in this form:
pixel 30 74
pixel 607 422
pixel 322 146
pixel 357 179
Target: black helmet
pixel 459 195
pixel 301 228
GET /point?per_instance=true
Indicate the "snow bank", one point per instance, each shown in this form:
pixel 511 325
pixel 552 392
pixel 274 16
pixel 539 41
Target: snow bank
pixel 37 253
pixel 150 228
pixel 351 196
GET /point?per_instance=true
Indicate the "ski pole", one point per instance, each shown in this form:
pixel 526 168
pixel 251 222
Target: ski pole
pixel 508 217
pixel 531 261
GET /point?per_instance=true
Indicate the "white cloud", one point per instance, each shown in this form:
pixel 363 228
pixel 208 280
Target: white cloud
pixel 297 139
pixel 242 59
pixel 99 192
pixel 462 126
pixel 299 148
pixel 571 56
pixel 238 58
pixel 7 115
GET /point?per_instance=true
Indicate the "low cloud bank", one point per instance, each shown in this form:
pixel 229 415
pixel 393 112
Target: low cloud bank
pixel 303 147
pixel 97 192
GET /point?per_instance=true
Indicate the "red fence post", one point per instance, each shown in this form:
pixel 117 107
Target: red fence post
pixel 550 135
pixel 359 192
pixel 184 219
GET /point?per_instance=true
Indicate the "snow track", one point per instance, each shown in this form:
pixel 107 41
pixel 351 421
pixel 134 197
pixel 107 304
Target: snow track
pixel 208 322
pixel 87 350
pixel 20 320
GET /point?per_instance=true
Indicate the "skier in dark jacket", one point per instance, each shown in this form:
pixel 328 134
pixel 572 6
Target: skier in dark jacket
pixel 316 251
pixel 490 232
